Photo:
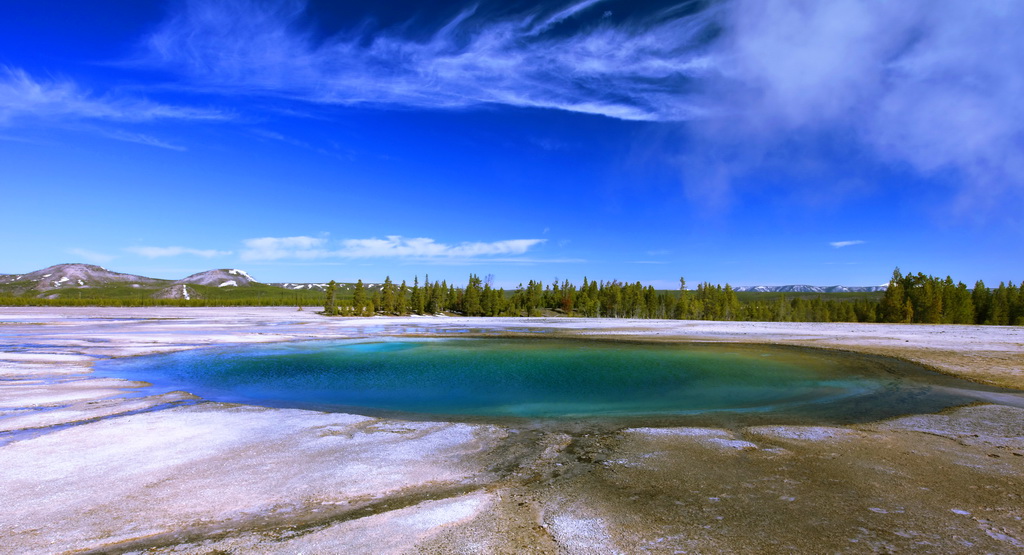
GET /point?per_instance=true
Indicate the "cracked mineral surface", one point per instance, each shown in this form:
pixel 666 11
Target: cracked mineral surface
pixel 92 464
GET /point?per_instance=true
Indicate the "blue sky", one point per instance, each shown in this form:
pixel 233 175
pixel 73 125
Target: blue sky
pixel 748 142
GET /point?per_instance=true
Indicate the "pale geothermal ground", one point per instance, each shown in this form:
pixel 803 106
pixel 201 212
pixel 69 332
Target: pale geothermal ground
pixel 85 468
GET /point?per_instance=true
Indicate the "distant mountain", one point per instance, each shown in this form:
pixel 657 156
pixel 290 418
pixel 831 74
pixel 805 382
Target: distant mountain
pixel 97 282
pixel 223 277
pixel 72 276
pixel 220 278
pixel 301 286
pixel 810 288
pixel 323 286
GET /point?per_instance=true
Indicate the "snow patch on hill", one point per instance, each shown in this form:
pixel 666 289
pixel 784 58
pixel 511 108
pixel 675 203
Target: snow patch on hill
pixel 301 286
pixel 220 278
pixel 63 276
pixel 242 274
pixel 811 288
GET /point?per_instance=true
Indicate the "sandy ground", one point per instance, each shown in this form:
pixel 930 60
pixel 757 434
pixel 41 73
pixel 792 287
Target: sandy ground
pixel 86 468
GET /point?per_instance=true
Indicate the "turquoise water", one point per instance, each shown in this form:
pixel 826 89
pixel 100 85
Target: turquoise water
pixel 543 378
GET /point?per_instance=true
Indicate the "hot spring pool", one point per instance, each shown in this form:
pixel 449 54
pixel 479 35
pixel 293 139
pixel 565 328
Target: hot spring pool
pixel 494 379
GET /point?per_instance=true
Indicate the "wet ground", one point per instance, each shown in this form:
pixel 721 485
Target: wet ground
pixel 90 464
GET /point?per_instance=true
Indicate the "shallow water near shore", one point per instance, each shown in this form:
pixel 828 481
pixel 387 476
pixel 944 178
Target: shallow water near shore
pixel 503 379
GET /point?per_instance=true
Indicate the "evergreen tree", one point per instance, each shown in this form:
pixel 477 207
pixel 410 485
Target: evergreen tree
pixel 330 302
pixel 958 308
pixel 403 299
pixel 782 310
pixel 652 306
pixel 931 308
pixel 487 301
pixel 534 296
pixel 981 298
pixel 568 298
pixel 895 306
pixel 682 311
pixel 1017 305
pixel 632 300
pixel 389 297
pixel 375 302
pixel 731 304
pixel 593 300
pixel 999 307
pixel 471 299
pixel 611 299
pixel 359 301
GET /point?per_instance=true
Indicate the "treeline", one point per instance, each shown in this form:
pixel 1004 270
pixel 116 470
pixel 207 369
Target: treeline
pixel 930 300
pixel 120 295
pixel 478 298
pixel 594 299
pixel 911 298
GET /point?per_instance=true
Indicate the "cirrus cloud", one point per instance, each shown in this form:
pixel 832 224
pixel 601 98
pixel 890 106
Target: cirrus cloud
pixel 92 256
pixel 631 71
pixel 422 247
pixel 933 85
pixel 162 252
pixel 275 248
pixel 391 246
pixel 24 97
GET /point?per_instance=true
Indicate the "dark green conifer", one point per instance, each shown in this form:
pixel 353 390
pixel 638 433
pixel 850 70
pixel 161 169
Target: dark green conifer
pixel 330 302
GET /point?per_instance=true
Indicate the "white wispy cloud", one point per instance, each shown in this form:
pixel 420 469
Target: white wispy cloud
pixel 140 138
pixel 422 247
pixel 392 246
pixel 841 244
pixel 627 71
pixel 275 248
pixel 930 85
pixel 24 97
pixel 511 261
pixel 933 85
pixel 92 256
pixel 563 15
pixel 162 252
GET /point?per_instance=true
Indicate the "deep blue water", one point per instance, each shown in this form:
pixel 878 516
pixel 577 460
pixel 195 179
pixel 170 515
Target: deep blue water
pixel 545 378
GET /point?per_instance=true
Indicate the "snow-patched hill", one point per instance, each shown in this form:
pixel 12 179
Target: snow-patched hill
pixel 811 288
pixel 73 276
pixel 301 286
pixel 49 282
pixel 223 277
pixel 323 286
pixel 220 278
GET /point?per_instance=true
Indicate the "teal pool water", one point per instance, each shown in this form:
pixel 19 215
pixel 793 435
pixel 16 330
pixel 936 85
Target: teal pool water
pixel 548 378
